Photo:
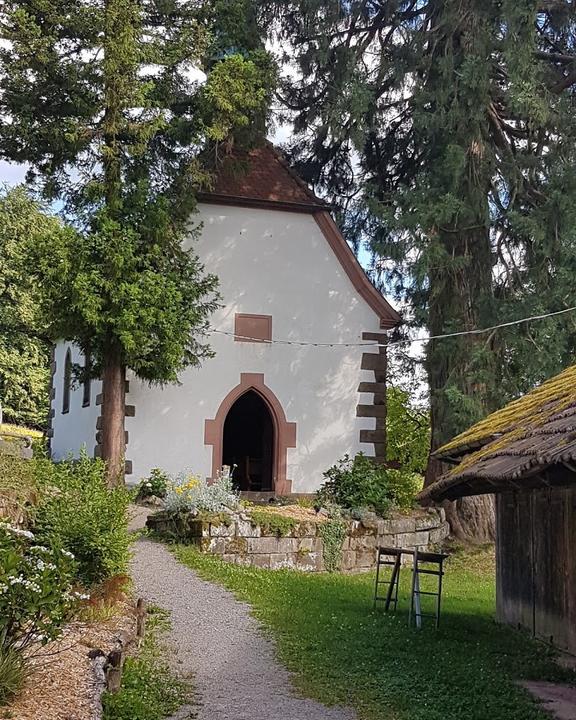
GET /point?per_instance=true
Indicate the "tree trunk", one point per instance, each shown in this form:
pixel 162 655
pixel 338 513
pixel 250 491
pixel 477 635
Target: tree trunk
pixel 113 445
pixel 459 369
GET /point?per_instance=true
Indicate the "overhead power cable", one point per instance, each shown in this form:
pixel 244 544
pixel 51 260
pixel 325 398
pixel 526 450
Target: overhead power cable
pixel 410 341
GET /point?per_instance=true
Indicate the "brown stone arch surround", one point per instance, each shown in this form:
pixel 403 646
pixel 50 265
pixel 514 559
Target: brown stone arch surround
pixel 284 431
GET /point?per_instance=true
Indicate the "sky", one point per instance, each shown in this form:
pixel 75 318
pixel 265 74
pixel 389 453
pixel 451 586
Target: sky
pixel 11 174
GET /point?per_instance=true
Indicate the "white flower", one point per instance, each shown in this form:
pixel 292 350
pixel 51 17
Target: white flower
pixel 21 533
pixel 67 554
pixel 40 548
pixel 81 596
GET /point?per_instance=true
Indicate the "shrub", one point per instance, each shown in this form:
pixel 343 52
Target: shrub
pixel 36 596
pixel 12 673
pixel 155 485
pixel 84 516
pixel 359 483
pixel 191 493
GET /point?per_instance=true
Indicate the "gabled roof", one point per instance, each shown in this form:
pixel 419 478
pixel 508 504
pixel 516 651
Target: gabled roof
pixel 262 178
pixel 529 443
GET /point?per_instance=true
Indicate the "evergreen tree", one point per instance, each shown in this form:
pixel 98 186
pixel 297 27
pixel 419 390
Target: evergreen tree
pixel 106 103
pixel 445 130
pixel 24 342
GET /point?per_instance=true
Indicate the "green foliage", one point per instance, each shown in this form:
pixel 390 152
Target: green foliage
pixel 19 487
pixel 155 485
pixel 36 596
pixel 360 483
pixel 84 516
pixel 342 653
pixel 107 108
pixel 407 431
pixel 24 347
pixel 12 673
pixel 463 182
pixel 273 523
pixel 332 532
pixel 149 690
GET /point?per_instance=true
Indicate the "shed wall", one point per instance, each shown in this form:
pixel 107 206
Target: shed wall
pixel 536 563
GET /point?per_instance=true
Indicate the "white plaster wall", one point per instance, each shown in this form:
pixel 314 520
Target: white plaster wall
pixel 272 263
pixel 76 428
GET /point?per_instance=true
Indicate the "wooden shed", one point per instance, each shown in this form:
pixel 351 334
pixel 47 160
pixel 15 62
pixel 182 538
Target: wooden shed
pixel 526 455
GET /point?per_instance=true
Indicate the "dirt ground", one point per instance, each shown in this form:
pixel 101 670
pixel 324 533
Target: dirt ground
pixel 63 683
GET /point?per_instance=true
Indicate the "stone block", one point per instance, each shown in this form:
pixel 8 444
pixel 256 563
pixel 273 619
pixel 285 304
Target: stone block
pixel 369 520
pixel 348 560
pixel 402 525
pixel 278 561
pixel 413 539
pixel 287 545
pixel 388 541
pixel 231 558
pixel 244 528
pixel 218 546
pixel 305 529
pixel 262 545
pixel 260 560
pixel 426 522
pixel 222 530
pixel 365 559
pixel 384 527
pixel 368 542
pixel 305 545
pixel 310 562
pixel 439 533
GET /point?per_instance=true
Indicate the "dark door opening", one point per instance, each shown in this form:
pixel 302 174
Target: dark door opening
pixel 249 443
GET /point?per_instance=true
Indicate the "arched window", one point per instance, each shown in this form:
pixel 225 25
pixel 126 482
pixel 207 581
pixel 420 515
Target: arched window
pixel 67 382
pixel 86 382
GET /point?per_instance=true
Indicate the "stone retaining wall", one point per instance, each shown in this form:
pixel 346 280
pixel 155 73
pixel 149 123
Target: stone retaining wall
pixel 239 539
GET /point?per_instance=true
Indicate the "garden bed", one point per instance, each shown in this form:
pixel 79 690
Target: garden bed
pixel 298 538
pixel 64 682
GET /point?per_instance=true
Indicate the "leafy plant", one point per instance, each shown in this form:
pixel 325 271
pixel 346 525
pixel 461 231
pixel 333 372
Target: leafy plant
pixel 155 485
pixel 84 516
pixel 36 596
pixel 359 483
pixel 12 673
pixel 192 493
pixel 332 532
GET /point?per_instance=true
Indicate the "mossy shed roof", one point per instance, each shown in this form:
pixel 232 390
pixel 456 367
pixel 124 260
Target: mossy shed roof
pixel 529 443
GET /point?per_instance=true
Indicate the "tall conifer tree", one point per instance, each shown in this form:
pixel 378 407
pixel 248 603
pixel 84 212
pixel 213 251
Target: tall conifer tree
pixel 104 100
pixel 445 129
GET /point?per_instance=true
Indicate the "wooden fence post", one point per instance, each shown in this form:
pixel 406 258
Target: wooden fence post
pixel 114 671
pixel 141 611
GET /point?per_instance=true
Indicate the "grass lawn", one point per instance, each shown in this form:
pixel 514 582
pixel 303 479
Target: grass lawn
pixel 344 653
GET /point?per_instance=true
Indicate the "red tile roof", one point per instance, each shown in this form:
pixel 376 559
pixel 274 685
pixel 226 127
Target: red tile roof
pixel 263 175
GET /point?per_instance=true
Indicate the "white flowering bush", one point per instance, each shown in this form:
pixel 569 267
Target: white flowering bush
pixel 191 493
pixel 36 589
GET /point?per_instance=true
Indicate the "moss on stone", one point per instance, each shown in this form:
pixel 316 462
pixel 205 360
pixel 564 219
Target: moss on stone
pixel 214 518
pixel 273 523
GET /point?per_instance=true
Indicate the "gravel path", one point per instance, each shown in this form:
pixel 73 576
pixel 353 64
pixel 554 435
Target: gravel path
pixel 216 641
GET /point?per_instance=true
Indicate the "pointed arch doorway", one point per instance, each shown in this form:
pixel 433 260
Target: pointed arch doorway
pixel 251 419
pixel 249 443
